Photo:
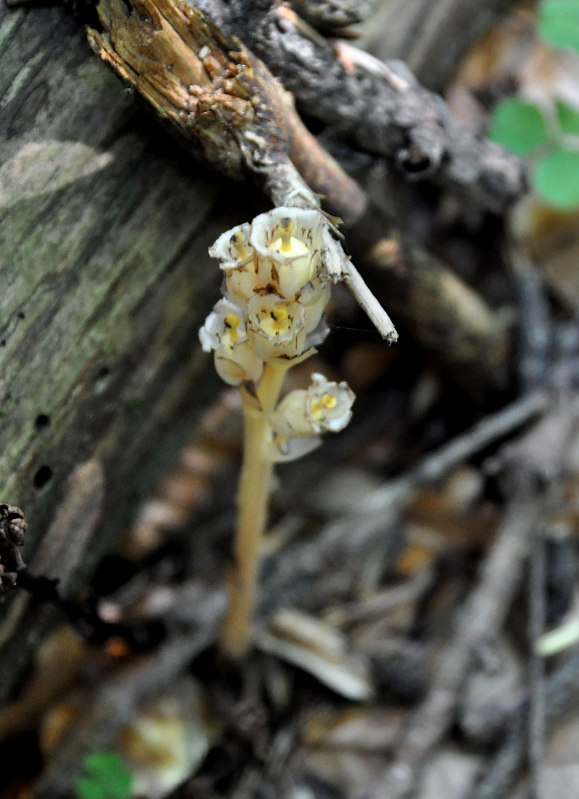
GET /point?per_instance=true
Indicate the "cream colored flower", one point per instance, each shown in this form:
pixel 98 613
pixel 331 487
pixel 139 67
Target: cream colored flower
pixel 239 263
pixel 225 334
pixel 276 327
pixel 324 406
pixel 288 245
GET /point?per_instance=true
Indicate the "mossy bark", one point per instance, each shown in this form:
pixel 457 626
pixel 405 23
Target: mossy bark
pixel 104 229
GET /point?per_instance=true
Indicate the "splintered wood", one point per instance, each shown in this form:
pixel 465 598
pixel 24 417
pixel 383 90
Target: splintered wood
pixel 193 77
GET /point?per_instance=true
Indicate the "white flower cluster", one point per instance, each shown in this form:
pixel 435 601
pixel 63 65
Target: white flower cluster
pixel 275 293
pixel 275 290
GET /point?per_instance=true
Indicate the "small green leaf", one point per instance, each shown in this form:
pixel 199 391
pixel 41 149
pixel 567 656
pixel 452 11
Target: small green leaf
pixel 558 22
pixel 97 763
pixel 556 178
pixel 568 118
pixel 518 126
pixel 87 789
pixel 106 777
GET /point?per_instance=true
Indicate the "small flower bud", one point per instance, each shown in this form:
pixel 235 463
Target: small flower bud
pixel 285 449
pixel 241 282
pixel 239 365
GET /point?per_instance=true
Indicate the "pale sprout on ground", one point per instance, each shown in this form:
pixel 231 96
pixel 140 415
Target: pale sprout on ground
pixel 277 276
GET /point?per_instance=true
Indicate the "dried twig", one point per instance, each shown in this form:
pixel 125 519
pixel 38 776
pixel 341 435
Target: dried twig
pixel 561 698
pixel 537 610
pixel 535 331
pixel 535 328
pixel 480 617
pixel 340 85
pixel 445 315
pixel 530 459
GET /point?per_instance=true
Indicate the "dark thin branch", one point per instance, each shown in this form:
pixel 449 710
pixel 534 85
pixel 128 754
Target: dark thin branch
pixel 535 326
pixel 464 446
pixel 537 610
pixel 82 614
pixel 535 333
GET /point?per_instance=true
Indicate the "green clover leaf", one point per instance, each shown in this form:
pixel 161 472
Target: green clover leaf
pixel 556 178
pixel 87 789
pixel 568 118
pixel 105 777
pixel 518 126
pixel 558 22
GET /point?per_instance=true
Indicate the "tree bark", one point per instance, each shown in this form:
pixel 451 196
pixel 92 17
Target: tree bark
pixel 105 280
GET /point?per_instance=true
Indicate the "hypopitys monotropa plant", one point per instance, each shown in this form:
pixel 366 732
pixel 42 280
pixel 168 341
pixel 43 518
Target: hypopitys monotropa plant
pixel 276 286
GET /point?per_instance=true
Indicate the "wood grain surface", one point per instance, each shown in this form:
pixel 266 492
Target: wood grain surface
pixel 104 229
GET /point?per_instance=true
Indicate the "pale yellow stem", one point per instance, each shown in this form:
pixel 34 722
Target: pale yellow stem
pixel 254 487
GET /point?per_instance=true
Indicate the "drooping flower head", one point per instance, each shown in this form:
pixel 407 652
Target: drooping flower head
pixel 324 406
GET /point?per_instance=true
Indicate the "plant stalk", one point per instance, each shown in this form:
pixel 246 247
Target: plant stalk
pixel 254 485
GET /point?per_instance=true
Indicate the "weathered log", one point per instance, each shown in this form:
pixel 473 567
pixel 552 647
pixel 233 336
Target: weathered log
pixel 105 279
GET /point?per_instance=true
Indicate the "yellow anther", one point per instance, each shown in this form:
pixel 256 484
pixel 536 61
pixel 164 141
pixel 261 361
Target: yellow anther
pixel 238 243
pixel 329 402
pixel 319 406
pixel 279 314
pixel 275 321
pixel 230 334
pixel 231 321
pixel 280 320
